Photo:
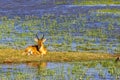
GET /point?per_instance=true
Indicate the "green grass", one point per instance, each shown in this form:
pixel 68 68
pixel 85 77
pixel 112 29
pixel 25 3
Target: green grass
pixel 15 56
pixel 64 71
pixel 59 32
pixel 112 11
pixel 73 71
pixel 96 2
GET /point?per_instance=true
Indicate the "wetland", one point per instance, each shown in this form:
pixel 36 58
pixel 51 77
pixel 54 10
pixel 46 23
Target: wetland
pixel 83 39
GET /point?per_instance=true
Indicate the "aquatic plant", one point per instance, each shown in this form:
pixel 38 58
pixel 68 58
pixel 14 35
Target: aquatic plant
pixel 96 2
pixel 64 32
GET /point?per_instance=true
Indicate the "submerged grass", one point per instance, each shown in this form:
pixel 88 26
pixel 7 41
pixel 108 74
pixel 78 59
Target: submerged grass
pixel 59 31
pixel 86 70
pixel 112 11
pixel 15 56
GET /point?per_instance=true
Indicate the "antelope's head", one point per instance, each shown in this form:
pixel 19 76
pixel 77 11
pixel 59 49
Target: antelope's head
pixel 40 41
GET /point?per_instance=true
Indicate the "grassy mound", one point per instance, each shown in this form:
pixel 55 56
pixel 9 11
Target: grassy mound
pixel 15 56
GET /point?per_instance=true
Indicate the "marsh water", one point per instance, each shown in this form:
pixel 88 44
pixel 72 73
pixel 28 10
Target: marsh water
pixel 67 27
pixel 89 70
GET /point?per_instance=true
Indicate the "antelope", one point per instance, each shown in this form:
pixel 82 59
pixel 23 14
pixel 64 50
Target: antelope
pixel 38 49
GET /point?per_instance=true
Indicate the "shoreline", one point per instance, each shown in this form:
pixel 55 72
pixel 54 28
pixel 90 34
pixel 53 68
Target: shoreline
pixel 15 56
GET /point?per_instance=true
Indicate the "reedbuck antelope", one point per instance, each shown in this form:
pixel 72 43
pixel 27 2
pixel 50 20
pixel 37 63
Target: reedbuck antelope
pixel 38 49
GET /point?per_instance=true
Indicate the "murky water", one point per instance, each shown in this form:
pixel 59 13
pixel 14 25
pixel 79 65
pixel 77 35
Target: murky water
pixel 67 27
pixel 60 71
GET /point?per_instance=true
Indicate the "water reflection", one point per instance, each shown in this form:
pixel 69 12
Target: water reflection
pixel 93 70
pixel 37 64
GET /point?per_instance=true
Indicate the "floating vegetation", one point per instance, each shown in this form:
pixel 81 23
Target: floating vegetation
pixel 96 2
pixel 59 31
pixel 109 11
pixel 65 71
pixel 66 27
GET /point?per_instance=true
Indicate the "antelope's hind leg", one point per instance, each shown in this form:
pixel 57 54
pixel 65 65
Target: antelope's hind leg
pixel 37 53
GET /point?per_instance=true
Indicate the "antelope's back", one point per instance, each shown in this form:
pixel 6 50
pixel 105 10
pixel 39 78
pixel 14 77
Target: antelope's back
pixel 32 49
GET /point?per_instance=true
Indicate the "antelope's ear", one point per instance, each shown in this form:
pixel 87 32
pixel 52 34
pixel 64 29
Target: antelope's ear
pixel 43 40
pixel 35 39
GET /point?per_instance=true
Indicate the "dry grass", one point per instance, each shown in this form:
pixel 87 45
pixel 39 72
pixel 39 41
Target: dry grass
pixel 12 55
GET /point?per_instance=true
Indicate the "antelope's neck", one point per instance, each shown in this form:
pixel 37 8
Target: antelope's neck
pixel 41 47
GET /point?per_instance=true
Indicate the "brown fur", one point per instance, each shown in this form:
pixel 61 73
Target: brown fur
pixel 38 49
